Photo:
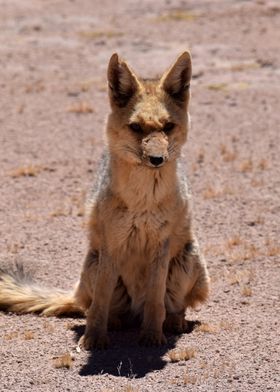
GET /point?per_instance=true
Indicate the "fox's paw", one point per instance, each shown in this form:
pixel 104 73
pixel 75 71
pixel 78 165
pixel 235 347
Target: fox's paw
pixel 152 338
pixel 93 340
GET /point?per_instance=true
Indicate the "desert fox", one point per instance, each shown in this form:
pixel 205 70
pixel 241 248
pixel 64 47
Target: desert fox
pixel 143 261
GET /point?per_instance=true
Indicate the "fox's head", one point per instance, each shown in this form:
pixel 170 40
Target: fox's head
pixel 149 120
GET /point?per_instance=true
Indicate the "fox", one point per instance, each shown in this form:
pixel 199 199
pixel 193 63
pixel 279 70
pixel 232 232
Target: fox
pixel 144 262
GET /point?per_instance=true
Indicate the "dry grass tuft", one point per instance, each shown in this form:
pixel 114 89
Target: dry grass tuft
pixel 78 202
pixel 11 335
pixel 263 164
pixel 244 66
pixel 256 183
pixel 48 327
pixel 86 85
pixel 207 328
pixel 201 156
pixel 177 16
pixel 246 253
pixel 272 248
pixel 246 166
pixel 28 335
pixel 190 379
pixel 35 87
pixel 26 171
pixel 69 325
pixel 61 211
pixel 15 247
pixel 178 355
pixel 241 277
pixel 97 34
pixel 227 155
pixel 246 291
pixel 64 361
pixel 129 388
pixel 81 108
pixel 228 86
pixel 217 86
pixel 234 241
pixel 211 193
pixel 226 325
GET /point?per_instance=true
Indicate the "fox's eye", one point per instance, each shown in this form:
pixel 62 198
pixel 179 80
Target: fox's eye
pixel 168 127
pixel 135 127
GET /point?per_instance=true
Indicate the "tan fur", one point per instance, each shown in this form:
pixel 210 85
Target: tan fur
pixel 143 261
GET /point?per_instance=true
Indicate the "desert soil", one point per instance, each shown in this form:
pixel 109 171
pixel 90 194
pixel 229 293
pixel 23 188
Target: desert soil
pixel 54 103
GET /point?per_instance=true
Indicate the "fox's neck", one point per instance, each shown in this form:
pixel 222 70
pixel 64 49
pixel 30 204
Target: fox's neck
pixel 141 187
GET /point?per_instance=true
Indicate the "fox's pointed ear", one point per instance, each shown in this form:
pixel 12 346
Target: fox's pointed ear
pixel 176 81
pixel 123 83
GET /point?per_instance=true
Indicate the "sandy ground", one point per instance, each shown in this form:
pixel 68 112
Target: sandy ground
pixel 53 103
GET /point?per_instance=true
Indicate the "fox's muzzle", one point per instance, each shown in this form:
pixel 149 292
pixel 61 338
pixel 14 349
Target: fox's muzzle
pixel 155 149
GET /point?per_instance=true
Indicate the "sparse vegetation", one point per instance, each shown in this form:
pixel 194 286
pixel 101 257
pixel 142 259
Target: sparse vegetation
pixel 48 327
pixel 97 34
pixel 11 335
pixel 176 15
pixel 80 108
pixel 246 291
pixel 272 248
pixel 64 361
pixel 257 182
pixel 28 335
pixel 233 241
pixel 246 166
pixel 26 171
pixel 207 328
pixel 263 164
pixel 227 155
pixel 211 193
pixel 178 355
pixel 190 379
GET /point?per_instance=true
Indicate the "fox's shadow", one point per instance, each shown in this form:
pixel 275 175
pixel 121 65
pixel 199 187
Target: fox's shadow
pixel 125 357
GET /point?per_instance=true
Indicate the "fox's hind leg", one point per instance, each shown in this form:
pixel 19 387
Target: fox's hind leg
pixel 187 285
pixel 85 288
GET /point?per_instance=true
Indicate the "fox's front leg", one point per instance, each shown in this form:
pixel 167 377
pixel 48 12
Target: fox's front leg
pixel 97 317
pixel 154 309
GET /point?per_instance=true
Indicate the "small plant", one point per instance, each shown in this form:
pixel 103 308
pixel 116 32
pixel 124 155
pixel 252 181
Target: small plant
pixel 28 335
pixel 207 328
pixel 227 155
pixel 246 166
pixel 176 15
pixel 210 192
pixel 81 108
pixel 64 361
pixel 178 355
pixel 11 335
pixel 246 291
pixel 190 379
pixel 263 164
pixel 273 249
pixel 97 34
pixel 26 171
pixel 234 241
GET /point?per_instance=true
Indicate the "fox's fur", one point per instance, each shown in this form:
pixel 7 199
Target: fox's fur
pixel 143 261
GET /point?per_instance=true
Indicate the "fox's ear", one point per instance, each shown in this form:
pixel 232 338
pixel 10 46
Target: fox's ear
pixel 176 81
pixel 123 83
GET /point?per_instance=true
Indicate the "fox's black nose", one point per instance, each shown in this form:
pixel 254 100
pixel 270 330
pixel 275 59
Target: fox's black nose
pixel 156 161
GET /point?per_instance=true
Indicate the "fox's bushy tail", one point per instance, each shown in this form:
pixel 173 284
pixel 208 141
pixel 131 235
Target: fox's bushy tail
pixel 20 294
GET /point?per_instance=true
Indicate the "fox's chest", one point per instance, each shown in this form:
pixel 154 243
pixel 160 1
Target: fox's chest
pixel 137 233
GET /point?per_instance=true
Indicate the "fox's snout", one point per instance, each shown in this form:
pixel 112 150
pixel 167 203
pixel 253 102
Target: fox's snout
pixel 155 149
